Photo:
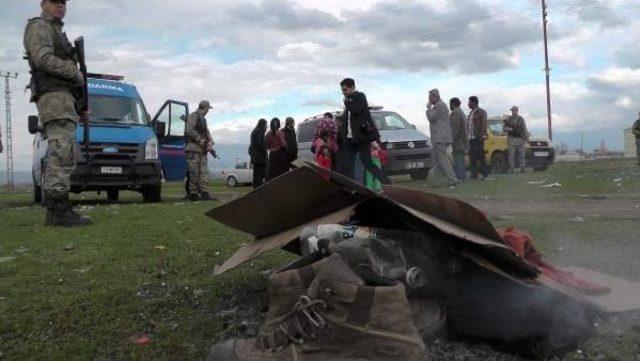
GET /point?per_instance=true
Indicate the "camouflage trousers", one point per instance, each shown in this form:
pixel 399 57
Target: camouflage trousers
pixel 198 172
pixel 516 153
pixel 61 154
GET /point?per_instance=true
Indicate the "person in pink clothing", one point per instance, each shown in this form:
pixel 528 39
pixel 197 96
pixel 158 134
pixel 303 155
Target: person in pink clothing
pixel 325 143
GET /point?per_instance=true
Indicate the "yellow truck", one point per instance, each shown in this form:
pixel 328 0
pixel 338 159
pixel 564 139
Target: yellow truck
pixel 539 153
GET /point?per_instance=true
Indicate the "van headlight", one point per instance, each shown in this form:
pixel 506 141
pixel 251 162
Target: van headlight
pixel 151 149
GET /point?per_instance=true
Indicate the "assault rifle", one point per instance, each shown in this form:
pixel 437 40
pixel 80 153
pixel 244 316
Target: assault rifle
pixel 82 101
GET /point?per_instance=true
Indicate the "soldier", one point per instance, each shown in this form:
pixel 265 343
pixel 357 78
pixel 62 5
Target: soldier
pixel 55 83
pixel 517 135
pixel 636 132
pixel 198 143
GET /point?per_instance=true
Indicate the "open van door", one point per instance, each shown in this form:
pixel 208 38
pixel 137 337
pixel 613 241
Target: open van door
pixel 169 124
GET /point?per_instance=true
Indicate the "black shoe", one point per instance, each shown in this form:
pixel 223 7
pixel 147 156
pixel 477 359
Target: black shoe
pixel 193 197
pixel 205 196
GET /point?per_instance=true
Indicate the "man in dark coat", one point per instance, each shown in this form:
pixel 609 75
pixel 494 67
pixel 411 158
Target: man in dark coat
pixel 258 153
pixel 477 136
pixel 292 141
pixel 360 130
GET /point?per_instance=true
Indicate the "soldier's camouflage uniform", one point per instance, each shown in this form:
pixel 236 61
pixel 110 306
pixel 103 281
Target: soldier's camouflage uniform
pixel 52 54
pixel 197 134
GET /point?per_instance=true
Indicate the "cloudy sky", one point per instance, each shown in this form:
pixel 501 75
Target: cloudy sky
pixel 265 58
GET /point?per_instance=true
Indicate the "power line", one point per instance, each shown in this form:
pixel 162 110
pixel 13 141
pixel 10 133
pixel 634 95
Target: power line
pixel 7 93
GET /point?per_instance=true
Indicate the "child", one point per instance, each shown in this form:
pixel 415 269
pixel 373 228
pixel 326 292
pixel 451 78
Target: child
pixel 323 155
pixel 372 182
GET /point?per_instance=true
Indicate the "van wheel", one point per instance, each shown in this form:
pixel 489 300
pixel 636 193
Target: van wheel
pixel 232 182
pixel 152 194
pixel 420 175
pixel 499 163
pixel 113 195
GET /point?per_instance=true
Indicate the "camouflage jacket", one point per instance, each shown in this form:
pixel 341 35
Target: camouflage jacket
pixel 43 43
pixel 196 130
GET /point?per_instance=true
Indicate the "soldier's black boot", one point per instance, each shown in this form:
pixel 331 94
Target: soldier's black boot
pixel 193 197
pixel 60 213
pixel 205 196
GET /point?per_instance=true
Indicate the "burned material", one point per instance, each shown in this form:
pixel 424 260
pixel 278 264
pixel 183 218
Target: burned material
pixel 459 276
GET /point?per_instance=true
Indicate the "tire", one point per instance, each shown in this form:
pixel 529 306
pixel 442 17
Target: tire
pixel 499 163
pixel 232 182
pixel 420 175
pixel 113 195
pixel 540 168
pixel 152 194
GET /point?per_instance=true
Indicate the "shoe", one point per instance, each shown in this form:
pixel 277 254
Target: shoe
pixel 193 197
pixel 60 213
pixel 338 318
pixel 205 196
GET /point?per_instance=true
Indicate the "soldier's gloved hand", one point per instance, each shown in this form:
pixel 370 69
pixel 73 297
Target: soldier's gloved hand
pixel 202 143
pixel 79 79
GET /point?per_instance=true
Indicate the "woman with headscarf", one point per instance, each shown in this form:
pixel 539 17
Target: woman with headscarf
pixel 258 153
pixel 277 146
pixel 292 141
pixel 326 137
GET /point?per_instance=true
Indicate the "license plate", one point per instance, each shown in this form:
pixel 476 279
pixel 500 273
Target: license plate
pixel 414 165
pixel 111 170
pixel 541 154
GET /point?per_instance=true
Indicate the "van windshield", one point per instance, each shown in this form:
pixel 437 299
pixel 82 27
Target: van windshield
pixel 390 121
pixel 121 110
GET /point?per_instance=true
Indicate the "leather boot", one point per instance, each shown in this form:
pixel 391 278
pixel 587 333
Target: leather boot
pixel 339 318
pixel 60 213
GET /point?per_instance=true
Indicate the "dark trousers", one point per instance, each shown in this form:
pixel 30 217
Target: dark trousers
pixel 459 166
pixel 364 150
pixel 477 158
pixel 259 174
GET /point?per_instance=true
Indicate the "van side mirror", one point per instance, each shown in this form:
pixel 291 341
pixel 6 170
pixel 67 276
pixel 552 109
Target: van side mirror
pixel 413 126
pixel 33 124
pixel 161 129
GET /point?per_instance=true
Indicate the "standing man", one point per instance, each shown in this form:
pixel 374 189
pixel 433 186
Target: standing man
pixel 198 143
pixel 440 127
pixel 258 153
pixel 460 136
pixel 477 135
pixel 56 83
pixel 360 130
pixel 636 132
pixel 292 140
pixel 517 136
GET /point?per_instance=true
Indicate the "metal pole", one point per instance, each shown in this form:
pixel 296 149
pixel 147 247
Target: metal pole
pixel 8 130
pixel 547 70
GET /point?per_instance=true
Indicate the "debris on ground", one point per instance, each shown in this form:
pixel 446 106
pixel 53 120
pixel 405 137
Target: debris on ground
pixel 577 220
pixel 537 182
pixel 69 247
pixel 552 185
pixel 140 340
pixel 437 257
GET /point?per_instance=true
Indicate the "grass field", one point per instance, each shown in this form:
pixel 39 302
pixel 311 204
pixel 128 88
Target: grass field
pixel 147 269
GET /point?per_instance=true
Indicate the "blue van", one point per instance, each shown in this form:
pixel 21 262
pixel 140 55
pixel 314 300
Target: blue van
pixel 128 150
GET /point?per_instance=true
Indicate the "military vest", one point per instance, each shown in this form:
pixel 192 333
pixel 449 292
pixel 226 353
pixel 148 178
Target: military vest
pixel 41 82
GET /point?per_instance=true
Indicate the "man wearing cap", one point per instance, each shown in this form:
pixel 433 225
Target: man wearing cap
pixel 55 85
pixel 198 143
pixel 517 136
pixel 441 140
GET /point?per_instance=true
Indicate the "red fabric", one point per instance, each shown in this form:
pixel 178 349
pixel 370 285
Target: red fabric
pixel 275 140
pixel 522 244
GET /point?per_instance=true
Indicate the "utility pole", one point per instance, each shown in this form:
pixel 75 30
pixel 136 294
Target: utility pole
pixel 547 70
pixel 7 94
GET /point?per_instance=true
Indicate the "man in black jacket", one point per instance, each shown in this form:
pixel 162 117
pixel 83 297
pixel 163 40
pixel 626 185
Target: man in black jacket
pixel 258 153
pixel 292 140
pixel 358 129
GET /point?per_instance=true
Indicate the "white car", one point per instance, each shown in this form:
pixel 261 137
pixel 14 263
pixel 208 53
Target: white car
pixel 241 174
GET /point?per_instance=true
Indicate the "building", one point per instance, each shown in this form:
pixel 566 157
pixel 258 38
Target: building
pixel 629 144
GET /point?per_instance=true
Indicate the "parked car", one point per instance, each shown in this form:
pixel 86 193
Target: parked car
pixel 539 154
pixel 126 147
pixel 241 174
pixel 409 149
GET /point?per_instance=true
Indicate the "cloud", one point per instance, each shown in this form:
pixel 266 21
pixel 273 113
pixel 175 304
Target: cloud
pixel 600 12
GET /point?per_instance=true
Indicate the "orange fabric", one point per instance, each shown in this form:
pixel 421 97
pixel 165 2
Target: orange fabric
pixel 522 244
